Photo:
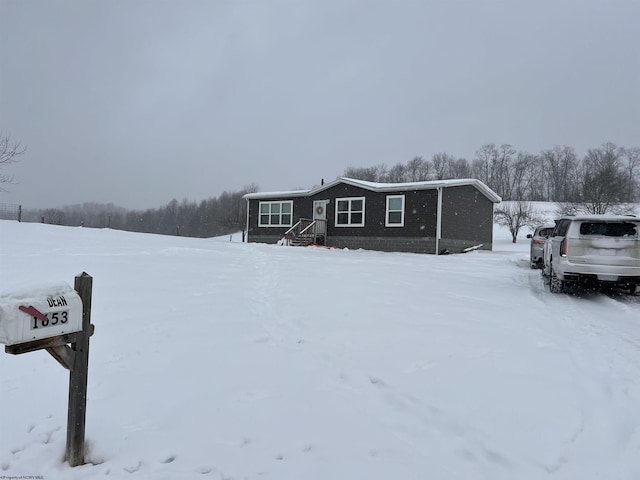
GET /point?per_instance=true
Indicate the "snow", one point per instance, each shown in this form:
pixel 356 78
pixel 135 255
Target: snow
pixel 382 187
pixel 217 359
pixel 12 328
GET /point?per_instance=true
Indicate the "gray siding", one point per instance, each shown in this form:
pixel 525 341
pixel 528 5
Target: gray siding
pixel 467 220
pixel 467 217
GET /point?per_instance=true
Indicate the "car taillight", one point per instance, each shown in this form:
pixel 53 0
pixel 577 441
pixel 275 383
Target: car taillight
pixel 564 247
pixel 539 242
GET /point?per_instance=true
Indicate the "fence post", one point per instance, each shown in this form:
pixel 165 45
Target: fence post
pixel 19 213
pixel 76 415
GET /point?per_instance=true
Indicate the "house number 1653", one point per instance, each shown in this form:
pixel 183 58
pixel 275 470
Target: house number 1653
pixel 52 319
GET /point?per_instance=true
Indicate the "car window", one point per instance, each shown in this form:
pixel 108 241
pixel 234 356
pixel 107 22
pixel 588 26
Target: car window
pixel 561 227
pixel 609 229
pixel 545 232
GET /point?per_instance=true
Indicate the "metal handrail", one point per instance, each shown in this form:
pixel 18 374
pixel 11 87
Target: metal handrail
pixel 304 230
pixel 305 227
pixel 288 232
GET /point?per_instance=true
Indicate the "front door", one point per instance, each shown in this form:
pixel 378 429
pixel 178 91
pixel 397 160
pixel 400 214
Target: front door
pixel 320 213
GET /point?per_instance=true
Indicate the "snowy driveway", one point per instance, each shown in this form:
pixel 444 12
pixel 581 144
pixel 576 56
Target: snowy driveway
pixel 216 359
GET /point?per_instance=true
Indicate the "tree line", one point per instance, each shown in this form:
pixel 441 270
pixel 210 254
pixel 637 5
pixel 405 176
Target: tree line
pixel 607 174
pixel 214 216
pixel 605 177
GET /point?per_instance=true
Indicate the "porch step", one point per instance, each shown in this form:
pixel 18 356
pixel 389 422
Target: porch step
pixel 305 232
pixel 306 240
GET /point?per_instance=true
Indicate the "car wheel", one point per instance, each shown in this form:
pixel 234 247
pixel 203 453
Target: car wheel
pixel 633 288
pixel 555 284
pixel 545 271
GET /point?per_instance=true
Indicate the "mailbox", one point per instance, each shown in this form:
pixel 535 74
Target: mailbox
pixel 39 313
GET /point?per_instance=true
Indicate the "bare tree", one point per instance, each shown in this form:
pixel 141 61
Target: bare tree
pixel 502 168
pixel 603 180
pixel 482 165
pixel 233 208
pixel 368 174
pixel 460 168
pixel 536 184
pixel 560 168
pixel 441 163
pixel 9 151
pixel 492 166
pixel 417 170
pixel 397 173
pixel 515 215
pixel 632 157
pixel 517 176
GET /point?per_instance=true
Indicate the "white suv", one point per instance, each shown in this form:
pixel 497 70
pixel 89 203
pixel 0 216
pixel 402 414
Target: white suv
pixel 592 250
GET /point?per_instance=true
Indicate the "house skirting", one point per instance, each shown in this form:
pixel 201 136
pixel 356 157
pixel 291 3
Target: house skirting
pixel 264 238
pixel 388 244
pixel 403 244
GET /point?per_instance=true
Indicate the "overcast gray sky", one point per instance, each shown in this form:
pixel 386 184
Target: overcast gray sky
pixel 137 102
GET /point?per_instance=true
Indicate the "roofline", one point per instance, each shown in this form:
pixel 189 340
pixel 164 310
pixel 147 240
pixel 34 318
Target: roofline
pixel 600 216
pixel 383 187
pixel 288 194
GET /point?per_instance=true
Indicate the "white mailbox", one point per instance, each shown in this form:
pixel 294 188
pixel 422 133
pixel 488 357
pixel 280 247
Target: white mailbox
pixel 39 313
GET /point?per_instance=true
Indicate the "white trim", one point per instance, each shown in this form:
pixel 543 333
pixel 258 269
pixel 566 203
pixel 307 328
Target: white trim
pixel 246 236
pixel 281 202
pixel 323 213
pixel 439 221
pixel 349 212
pixel 384 187
pixel 387 211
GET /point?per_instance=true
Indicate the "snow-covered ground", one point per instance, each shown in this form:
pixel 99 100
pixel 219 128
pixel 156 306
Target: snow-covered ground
pixel 217 359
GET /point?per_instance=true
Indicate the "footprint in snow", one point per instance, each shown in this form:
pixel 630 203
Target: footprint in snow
pixel 133 469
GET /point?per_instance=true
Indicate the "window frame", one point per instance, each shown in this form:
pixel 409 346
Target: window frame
pixel 270 214
pixel 350 212
pixel 621 229
pixel 387 211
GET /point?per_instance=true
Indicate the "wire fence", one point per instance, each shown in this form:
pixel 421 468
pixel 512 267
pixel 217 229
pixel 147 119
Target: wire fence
pixel 9 211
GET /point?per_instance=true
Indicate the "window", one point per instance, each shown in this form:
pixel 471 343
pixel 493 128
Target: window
pixel 608 229
pixel 395 211
pixel 545 232
pixel 276 214
pixel 350 212
pixel 561 228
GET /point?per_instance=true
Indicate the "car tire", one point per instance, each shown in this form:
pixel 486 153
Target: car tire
pixel 555 284
pixel 633 288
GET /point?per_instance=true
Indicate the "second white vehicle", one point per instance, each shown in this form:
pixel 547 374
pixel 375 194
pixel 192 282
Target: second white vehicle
pixel 593 250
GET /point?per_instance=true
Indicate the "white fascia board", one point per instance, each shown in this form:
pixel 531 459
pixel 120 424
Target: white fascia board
pixel 427 185
pixel 383 187
pixel 266 195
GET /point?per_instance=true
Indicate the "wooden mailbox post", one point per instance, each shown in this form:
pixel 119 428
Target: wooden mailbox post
pixel 58 320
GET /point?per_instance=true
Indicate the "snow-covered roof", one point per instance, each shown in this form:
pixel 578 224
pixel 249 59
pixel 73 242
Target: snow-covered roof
pixel 384 187
pixel 283 194
pixel 603 217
